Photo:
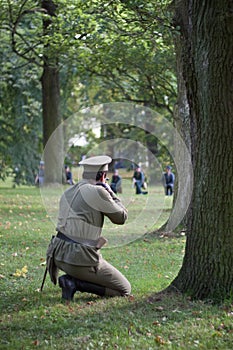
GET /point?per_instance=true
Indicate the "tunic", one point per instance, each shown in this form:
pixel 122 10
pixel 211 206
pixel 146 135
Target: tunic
pixel 81 217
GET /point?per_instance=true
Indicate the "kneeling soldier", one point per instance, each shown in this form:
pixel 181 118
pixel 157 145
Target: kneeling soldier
pixel 75 248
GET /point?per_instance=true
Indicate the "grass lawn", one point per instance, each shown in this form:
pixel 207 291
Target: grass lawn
pixel 146 320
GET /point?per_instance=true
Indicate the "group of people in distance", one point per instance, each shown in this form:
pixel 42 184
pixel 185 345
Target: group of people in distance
pixel 39 179
pixel 139 180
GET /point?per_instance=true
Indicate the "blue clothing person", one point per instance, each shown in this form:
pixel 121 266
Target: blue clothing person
pixel 69 177
pixel 169 180
pixel 116 182
pixel 39 180
pixel 138 179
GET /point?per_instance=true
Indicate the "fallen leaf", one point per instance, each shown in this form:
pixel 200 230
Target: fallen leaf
pixel 8 225
pixel 217 334
pixel 160 340
pixel 24 269
pixel 21 273
pixel 159 308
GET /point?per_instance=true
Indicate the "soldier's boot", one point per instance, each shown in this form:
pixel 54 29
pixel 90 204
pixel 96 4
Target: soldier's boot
pixel 68 286
pixel 88 287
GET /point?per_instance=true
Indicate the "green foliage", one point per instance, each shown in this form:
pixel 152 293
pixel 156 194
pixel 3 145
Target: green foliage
pixel 106 52
pixel 20 121
pixel 131 57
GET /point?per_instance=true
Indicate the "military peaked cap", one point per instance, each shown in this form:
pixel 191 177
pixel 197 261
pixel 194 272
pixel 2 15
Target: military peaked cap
pixel 95 164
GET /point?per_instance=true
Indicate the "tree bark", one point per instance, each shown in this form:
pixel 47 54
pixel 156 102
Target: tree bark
pixel 52 140
pixel 206 30
pixel 181 117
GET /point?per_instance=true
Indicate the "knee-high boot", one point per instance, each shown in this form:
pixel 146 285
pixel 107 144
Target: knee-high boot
pixel 84 286
pixel 70 285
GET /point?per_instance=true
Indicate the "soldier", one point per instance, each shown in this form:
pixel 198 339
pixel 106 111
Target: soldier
pixel 39 180
pixel 116 182
pixel 75 248
pixel 138 180
pixel 168 181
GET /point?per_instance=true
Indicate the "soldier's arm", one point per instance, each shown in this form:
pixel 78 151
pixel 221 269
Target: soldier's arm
pixel 111 206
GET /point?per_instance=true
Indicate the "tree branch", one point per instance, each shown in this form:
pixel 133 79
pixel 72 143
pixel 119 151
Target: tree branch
pixel 14 25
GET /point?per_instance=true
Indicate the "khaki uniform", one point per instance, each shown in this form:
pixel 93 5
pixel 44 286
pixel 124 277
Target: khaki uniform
pixel 81 218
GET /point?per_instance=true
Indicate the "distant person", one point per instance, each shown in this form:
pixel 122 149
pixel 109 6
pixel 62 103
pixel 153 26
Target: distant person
pixel 116 182
pixel 138 180
pixel 119 165
pixel 39 180
pixel 69 176
pixel 168 181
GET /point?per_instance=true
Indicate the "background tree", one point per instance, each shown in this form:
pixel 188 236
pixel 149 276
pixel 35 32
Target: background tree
pixel 134 63
pixel 51 98
pixel 61 37
pixel 206 51
pixel 20 120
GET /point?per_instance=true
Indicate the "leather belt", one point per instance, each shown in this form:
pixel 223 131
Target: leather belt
pixel 79 240
pixel 65 238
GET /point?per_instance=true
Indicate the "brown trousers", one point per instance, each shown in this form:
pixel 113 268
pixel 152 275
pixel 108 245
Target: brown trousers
pixel 103 274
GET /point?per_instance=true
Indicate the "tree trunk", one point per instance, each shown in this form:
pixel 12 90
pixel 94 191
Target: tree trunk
pixel 53 142
pixel 206 30
pixel 181 117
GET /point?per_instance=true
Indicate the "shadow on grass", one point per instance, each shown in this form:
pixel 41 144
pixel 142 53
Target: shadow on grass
pixel 160 319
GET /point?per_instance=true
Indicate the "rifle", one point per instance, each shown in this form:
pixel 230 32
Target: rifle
pixel 45 274
pixel 101 241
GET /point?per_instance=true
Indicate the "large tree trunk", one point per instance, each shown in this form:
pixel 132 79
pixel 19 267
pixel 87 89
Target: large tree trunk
pixel 53 145
pixel 181 117
pixel 53 142
pixel 206 30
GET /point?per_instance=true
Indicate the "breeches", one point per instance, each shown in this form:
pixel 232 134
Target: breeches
pixel 168 189
pixel 138 185
pixel 103 274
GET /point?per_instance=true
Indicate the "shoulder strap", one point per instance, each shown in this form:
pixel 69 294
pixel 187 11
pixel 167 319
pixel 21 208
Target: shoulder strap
pixel 68 207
